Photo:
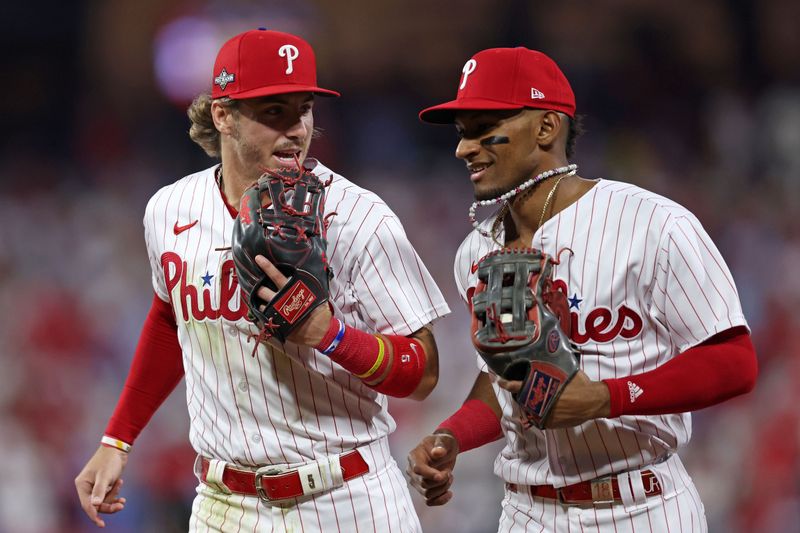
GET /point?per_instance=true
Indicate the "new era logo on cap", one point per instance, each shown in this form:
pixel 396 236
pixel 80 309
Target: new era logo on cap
pixel 262 63
pixel 507 78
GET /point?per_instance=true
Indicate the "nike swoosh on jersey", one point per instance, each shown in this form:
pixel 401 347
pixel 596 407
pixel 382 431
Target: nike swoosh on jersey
pixel 180 229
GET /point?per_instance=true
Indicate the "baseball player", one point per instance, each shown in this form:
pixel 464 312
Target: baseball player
pixel 294 436
pixel 653 308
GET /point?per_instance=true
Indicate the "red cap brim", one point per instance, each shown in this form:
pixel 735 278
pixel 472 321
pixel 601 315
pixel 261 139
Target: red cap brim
pixel 282 89
pixel 445 113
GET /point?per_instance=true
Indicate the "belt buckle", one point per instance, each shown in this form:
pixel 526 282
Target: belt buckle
pixel 266 472
pixel 602 490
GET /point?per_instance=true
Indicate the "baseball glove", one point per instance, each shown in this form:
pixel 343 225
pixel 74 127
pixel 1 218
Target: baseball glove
pixel 290 232
pixel 521 325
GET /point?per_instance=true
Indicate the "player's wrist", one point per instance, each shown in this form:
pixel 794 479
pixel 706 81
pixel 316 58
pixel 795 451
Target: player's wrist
pixel 317 326
pixel 358 352
pixel 615 396
pixel 390 364
pixel 602 400
pixel 446 433
pixel 331 337
pixel 115 443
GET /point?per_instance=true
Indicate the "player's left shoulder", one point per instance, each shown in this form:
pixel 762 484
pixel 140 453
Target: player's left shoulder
pixel 357 218
pixel 664 213
pixel 630 190
pixel 348 200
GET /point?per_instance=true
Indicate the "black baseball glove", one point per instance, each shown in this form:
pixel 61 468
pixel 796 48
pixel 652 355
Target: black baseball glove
pixel 290 232
pixel 520 327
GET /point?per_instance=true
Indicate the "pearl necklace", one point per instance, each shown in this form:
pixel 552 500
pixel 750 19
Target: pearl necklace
pixel 568 170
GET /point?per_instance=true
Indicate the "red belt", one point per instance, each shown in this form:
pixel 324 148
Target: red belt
pixel 601 490
pixel 283 484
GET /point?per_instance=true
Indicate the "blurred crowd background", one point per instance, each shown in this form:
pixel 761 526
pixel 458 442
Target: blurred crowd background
pixel 697 100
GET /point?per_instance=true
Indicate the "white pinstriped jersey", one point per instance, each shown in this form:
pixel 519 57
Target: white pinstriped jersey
pixel 288 404
pixel 645 283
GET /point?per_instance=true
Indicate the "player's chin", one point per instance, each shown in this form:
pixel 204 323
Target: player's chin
pixel 487 192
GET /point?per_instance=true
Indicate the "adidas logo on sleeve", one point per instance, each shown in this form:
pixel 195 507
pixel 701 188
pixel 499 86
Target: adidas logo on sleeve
pixel 635 391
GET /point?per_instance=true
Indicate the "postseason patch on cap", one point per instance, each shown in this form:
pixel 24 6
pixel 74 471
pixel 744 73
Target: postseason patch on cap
pixel 224 79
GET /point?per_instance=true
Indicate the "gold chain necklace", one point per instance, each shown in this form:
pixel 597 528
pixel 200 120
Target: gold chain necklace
pixel 549 197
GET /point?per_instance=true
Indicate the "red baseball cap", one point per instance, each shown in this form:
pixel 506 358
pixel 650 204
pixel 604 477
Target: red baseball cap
pixel 507 78
pixel 263 62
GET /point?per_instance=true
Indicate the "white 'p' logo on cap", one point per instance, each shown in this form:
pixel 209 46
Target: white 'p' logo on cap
pixel 290 52
pixel 469 68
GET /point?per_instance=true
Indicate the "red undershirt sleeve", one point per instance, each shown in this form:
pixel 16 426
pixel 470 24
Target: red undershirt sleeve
pixel 704 375
pixel 156 370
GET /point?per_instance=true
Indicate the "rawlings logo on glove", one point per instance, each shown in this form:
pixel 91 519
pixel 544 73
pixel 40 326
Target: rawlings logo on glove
pixel 520 327
pixel 290 232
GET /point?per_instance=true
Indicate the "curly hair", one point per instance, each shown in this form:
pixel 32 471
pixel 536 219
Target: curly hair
pixel 576 129
pixel 203 131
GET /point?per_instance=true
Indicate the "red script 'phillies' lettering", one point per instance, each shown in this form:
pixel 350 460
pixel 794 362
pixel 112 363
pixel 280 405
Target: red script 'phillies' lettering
pixel 175 273
pixel 599 325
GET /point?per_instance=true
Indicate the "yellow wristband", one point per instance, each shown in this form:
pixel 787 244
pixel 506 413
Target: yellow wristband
pixel 115 443
pixel 378 361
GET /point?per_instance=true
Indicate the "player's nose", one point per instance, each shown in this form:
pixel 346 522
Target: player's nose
pixel 299 130
pixel 467 148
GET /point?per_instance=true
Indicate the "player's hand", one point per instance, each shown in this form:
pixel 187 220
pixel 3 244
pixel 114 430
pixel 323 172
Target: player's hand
pixel 582 400
pixel 430 467
pixel 99 484
pixel 313 329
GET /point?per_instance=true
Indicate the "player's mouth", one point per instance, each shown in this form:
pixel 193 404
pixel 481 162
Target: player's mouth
pixel 477 170
pixel 287 158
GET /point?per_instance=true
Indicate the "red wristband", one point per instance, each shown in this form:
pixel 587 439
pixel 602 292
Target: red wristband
pixel 392 364
pixel 408 359
pixel 326 344
pixel 355 351
pixel 474 425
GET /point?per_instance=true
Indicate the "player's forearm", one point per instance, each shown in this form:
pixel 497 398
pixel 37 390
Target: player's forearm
pixel 156 369
pixel 483 390
pixel 430 377
pixel 390 364
pixel 715 371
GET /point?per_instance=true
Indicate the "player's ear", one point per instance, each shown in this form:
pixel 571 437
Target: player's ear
pixel 222 115
pixel 549 126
